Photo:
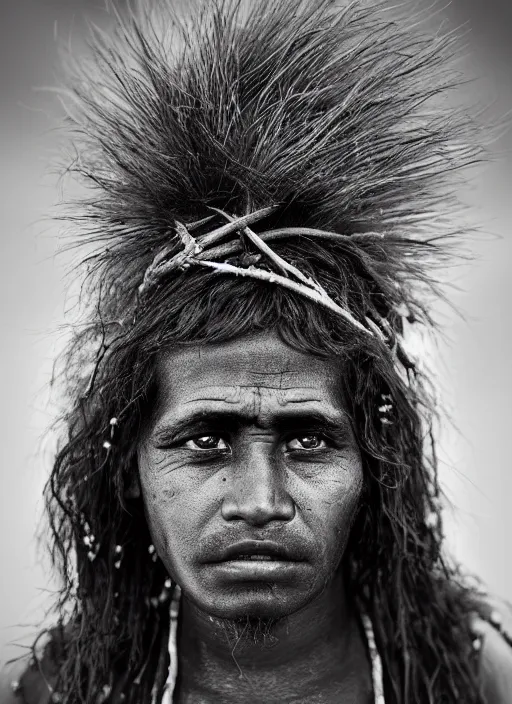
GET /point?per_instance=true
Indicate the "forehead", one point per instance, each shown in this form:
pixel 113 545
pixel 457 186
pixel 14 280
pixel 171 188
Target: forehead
pixel 231 372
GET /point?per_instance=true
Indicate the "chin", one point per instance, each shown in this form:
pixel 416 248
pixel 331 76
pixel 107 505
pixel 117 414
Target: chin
pixel 262 601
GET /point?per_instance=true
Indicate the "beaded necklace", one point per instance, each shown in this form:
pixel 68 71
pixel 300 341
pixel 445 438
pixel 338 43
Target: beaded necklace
pixel 376 663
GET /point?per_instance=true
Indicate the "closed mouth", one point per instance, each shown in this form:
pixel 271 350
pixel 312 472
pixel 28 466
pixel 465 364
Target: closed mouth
pixel 257 551
pixel 255 557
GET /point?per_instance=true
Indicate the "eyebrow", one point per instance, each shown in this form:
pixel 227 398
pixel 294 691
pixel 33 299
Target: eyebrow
pixel 170 429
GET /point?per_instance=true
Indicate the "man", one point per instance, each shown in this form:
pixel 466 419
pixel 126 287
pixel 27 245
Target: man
pixel 246 505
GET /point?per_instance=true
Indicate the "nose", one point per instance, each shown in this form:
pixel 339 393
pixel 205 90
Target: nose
pixel 257 492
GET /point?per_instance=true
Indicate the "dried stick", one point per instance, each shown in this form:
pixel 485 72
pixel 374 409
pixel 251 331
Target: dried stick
pixel 262 275
pixel 229 248
pixel 196 252
pixel 279 262
pixel 159 266
pixel 235 225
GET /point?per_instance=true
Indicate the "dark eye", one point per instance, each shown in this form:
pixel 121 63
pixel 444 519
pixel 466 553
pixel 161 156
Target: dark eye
pixel 310 441
pixel 207 442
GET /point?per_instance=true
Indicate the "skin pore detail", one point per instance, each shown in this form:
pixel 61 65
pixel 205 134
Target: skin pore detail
pixel 251 476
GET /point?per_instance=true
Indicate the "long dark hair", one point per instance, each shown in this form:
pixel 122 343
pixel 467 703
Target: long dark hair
pixel 336 116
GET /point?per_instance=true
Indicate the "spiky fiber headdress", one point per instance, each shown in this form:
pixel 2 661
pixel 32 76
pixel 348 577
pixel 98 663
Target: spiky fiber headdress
pixel 332 121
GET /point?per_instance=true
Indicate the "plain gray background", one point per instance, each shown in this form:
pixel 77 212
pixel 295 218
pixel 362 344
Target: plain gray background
pixel 474 362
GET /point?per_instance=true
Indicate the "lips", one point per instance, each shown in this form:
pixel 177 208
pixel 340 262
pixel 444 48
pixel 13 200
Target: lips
pixel 257 550
pixel 252 561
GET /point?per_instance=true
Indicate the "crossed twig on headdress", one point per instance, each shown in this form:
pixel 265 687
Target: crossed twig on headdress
pixel 207 250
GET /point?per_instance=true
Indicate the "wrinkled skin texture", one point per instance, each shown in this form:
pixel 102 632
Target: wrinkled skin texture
pixel 249 439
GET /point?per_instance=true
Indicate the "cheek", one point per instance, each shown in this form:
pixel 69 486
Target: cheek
pixel 330 506
pixel 175 509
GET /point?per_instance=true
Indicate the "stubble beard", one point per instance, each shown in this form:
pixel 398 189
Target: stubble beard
pixel 249 630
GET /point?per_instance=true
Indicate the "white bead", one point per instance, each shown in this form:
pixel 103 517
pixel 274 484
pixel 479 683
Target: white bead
pixel 496 618
pixel 151 549
pixel 107 445
pixel 119 549
pixel 431 520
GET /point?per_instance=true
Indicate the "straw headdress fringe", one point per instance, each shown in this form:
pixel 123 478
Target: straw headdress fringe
pixel 337 116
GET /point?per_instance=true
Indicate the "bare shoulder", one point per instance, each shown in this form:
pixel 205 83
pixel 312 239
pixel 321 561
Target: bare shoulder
pixel 9 682
pixel 31 679
pixel 495 635
pixel 26 684
pixel 7 696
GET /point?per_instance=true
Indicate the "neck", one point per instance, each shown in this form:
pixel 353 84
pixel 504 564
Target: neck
pixel 318 646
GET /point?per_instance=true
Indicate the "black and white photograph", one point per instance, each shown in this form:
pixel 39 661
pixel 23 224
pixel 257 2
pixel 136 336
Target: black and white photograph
pixel 256 351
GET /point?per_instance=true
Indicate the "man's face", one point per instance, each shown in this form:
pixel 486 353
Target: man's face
pixel 250 475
